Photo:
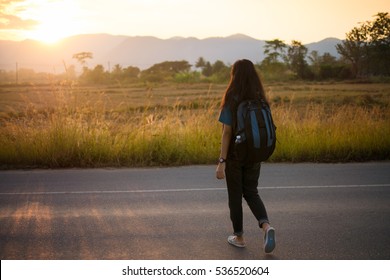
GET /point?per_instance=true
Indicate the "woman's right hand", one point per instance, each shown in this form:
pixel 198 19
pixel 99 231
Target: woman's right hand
pixel 220 172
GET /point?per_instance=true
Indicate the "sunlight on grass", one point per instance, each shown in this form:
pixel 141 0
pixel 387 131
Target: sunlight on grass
pixel 70 129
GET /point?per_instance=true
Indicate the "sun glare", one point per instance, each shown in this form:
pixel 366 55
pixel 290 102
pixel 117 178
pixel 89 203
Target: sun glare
pixel 55 21
pixel 49 33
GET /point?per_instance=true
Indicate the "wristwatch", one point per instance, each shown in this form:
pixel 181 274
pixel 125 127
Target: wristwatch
pixel 221 160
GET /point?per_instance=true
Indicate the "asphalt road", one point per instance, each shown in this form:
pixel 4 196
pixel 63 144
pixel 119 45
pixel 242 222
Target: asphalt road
pixel 320 211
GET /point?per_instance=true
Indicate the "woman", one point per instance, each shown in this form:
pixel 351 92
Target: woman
pixel 241 179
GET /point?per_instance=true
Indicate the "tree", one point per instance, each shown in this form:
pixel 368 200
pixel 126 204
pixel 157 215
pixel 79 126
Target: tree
pixel 165 70
pixel 201 63
pixel 117 72
pixel 95 76
pixel 367 47
pixel 353 49
pixel 379 45
pixel 379 30
pixel 171 67
pixel 274 50
pixel 327 66
pixel 272 65
pixel 207 70
pixel 218 66
pixel 220 72
pixel 296 58
pixel 316 61
pixel 131 72
pixel 82 57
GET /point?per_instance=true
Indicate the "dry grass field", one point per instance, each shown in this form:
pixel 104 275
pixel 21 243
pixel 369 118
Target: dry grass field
pixel 66 125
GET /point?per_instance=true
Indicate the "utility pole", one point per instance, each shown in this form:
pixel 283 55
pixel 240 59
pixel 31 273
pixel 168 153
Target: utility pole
pixel 17 78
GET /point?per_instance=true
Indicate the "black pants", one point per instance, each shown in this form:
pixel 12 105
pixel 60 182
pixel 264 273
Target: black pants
pixel 242 181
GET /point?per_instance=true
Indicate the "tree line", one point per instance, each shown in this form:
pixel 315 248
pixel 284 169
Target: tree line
pixel 168 71
pixel 364 53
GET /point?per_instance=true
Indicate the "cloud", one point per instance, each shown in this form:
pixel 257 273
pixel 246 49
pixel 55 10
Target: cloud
pixel 4 4
pixel 15 22
pixel 9 18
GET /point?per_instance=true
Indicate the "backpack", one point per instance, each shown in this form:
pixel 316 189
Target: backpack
pixel 254 132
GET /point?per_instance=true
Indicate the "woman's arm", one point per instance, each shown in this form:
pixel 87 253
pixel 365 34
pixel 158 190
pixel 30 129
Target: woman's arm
pixel 226 137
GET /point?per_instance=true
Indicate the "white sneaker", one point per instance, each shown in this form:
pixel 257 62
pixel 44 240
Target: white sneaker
pixel 236 241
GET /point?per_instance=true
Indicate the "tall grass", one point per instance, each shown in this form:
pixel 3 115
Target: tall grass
pixel 90 135
pixel 342 133
pixel 69 133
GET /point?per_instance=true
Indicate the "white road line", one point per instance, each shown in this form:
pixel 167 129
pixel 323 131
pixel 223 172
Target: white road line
pixel 189 190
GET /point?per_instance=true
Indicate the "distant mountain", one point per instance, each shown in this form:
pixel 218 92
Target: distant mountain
pixel 139 51
pixel 146 51
pixel 327 45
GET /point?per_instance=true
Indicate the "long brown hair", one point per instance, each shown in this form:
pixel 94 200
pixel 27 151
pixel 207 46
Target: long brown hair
pixel 244 84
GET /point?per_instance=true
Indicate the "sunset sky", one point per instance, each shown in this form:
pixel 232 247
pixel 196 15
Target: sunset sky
pixel 302 20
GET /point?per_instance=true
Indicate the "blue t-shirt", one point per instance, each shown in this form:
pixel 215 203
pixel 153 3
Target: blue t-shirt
pixel 226 116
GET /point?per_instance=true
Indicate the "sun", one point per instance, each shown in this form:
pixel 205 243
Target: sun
pixel 56 21
pixel 49 33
